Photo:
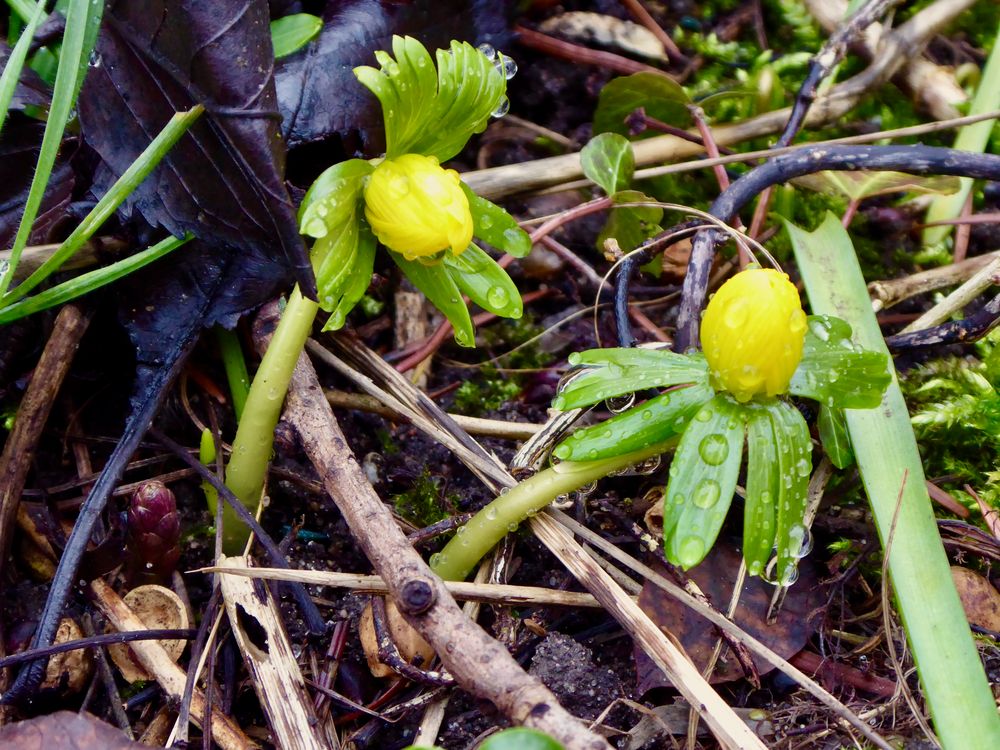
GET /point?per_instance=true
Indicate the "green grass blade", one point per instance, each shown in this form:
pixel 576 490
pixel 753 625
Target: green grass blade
pixel 25 8
pixel 109 203
pixel 15 63
pixel 88 282
pixel 951 673
pixel 72 63
pixel 972 137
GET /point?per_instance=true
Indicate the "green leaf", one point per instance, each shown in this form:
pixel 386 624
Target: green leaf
pixel 434 115
pixel 124 186
pixel 654 421
pixel 702 480
pixel 833 435
pixel 836 372
pixel 859 185
pixel 77 44
pixel 662 98
pixel 794 448
pixel 951 672
pixel 631 225
pixel 292 33
pixel 485 282
pixel 762 491
pixel 608 373
pixel 439 287
pixel 607 160
pixel 88 282
pixel 340 293
pixel 520 738
pixel 333 197
pixel 497 227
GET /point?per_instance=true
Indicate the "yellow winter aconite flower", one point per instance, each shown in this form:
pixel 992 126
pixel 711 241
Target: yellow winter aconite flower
pixel 417 208
pixel 752 334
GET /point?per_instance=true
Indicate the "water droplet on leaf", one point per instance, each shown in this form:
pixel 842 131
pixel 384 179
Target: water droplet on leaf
pixel 707 493
pixel 713 449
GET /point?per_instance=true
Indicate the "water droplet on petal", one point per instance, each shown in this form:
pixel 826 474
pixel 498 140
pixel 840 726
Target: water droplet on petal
pixel 713 449
pixel 736 313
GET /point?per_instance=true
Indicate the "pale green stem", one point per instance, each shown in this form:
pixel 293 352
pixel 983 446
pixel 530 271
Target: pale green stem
pixel 255 435
pixel 461 555
pixel 951 673
pixel 236 368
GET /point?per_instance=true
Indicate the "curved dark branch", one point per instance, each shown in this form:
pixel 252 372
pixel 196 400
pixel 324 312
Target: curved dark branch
pixel 920 160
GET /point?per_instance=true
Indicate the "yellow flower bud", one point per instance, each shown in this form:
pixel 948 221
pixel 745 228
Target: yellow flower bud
pixel 752 334
pixel 417 208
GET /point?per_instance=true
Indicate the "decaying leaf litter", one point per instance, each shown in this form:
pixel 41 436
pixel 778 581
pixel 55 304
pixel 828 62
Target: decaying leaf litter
pixel 244 249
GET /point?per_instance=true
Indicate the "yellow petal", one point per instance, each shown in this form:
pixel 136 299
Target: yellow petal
pixel 417 208
pixel 752 334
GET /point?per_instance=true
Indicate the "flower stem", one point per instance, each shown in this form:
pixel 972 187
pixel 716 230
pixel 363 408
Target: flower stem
pixel 489 525
pixel 255 434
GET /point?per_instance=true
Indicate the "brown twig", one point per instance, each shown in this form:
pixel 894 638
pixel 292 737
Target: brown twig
pixel 577 53
pixel 464 648
pixel 19 449
pixel 640 14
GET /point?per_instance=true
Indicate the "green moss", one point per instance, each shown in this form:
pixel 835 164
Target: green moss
pixel 422 505
pixel 485 393
pixel 956 416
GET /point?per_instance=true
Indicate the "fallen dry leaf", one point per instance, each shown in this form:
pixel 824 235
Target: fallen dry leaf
pixel 67 731
pixel 980 599
pixel 796 621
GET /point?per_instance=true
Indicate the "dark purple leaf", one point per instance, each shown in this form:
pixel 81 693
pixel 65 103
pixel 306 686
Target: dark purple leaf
pixel 31 90
pixel 22 139
pixel 319 96
pixel 222 182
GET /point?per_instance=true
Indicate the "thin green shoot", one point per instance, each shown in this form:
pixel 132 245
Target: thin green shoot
pixel 26 9
pixel 15 62
pixel 124 186
pixel 72 64
pixel 235 366
pixel 88 282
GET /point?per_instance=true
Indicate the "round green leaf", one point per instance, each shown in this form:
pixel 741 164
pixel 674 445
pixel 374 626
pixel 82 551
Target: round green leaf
pixel 661 97
pixel 607 160
pixel 485 282
pixel 520 738
pixel 292 33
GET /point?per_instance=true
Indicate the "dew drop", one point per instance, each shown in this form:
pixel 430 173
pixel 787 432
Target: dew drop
pixel 463 338
pixel 619 404
pixel 703 415
pixel 485 221
pixel 789 575
pixel 736 313
pixel 649 466
pixel 316 228
pixel 506 66
pixel 691 552
pixel 488 51
pixel 803 467
pixel 512 526
pixel 647 414
pixel 706 494
pixel 498 297
pixel 491 513
pixel 713 449
pixel 502 108
pixel 321 210
pixel 512 236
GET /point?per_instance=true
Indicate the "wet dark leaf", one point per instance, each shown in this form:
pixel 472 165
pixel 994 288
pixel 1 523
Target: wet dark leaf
pixel 31 90
pixel 66 730
pixel 318 94
pixel 796 621
pixel 22 139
